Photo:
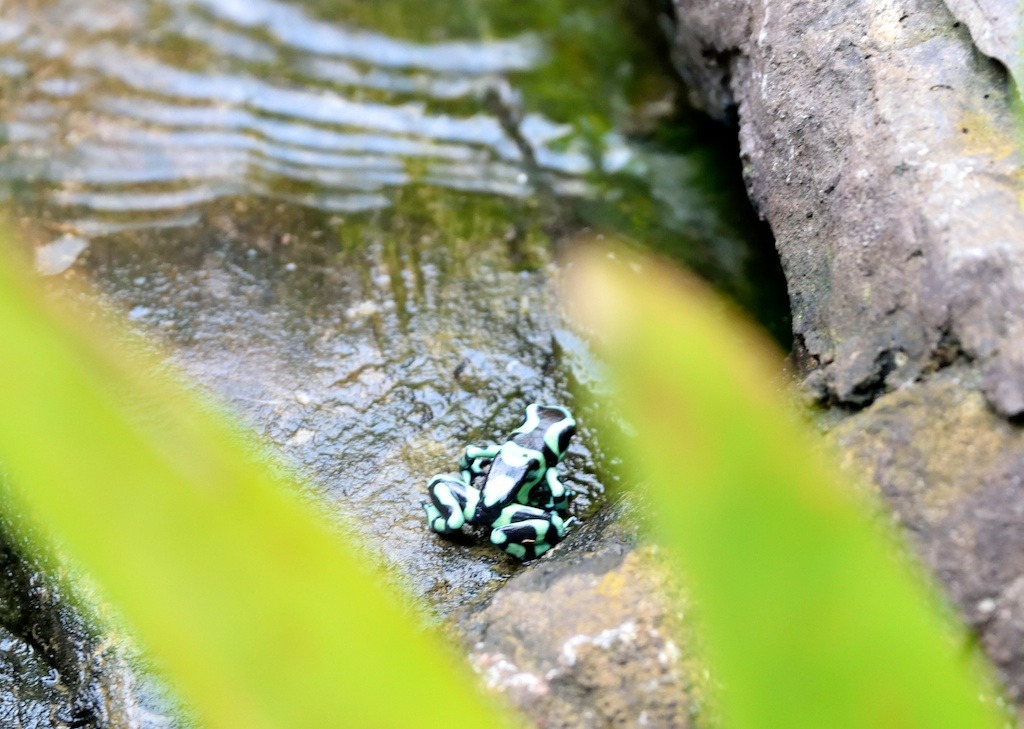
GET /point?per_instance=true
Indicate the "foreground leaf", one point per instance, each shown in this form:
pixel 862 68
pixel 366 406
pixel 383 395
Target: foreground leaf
pixel 256 610
pixel 811 618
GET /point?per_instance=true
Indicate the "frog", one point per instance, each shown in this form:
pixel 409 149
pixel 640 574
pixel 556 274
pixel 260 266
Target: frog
pixel 512 488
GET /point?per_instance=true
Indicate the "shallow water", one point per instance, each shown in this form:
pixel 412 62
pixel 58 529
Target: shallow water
pixel 339 218
pixel 142 113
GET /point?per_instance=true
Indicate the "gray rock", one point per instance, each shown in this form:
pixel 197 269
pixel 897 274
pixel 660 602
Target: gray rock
pixel 30 694
pixel 996 28
pixel 587 637
pixel 953 472
pixel 366 373
pixel 879 145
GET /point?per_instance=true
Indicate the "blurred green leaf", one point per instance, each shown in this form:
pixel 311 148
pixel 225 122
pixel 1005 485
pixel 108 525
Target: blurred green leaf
pixel 811 616
pixel 259 613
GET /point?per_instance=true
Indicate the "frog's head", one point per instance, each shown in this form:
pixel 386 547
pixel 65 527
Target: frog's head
pixel 514 468
pixel 558 426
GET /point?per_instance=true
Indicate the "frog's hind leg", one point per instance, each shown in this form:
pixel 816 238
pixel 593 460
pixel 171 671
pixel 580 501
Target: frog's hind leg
pixel 527 532
pixel 475 459
pixel 449 497
pixel 551 494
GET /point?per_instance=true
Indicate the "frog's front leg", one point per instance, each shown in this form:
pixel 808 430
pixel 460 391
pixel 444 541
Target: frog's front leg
pixel 527 532
pixel 474 460
pixel 452 503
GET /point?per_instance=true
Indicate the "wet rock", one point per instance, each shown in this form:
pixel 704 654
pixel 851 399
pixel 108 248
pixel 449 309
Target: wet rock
pixel 367 373
pixel 44 630
pixel 368 407
pixel 879 144
pixel 30 696
pixel 56 671
pixel 446 350
pixel 586 637
pixel 953 472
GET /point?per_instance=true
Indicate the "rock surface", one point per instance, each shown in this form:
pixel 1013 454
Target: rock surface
pixel 586 637
pixel 879 144
pixel 56 671
pixel 366 372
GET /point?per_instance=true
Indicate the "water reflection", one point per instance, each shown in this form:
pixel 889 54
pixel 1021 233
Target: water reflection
pixel 153 108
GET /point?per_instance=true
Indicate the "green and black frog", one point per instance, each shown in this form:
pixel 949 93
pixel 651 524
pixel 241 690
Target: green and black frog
pixel 511 488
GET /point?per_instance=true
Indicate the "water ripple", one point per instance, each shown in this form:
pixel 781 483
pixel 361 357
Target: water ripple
pixel 321 106
pixel 291 26
pixel 108 112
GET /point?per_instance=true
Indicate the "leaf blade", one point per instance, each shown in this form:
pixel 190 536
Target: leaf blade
pixel 811 617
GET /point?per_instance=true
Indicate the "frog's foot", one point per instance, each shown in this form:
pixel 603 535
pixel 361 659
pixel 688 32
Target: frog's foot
pixel 474 461
pixel 527 532
pixel 449 497
pixel 560 505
